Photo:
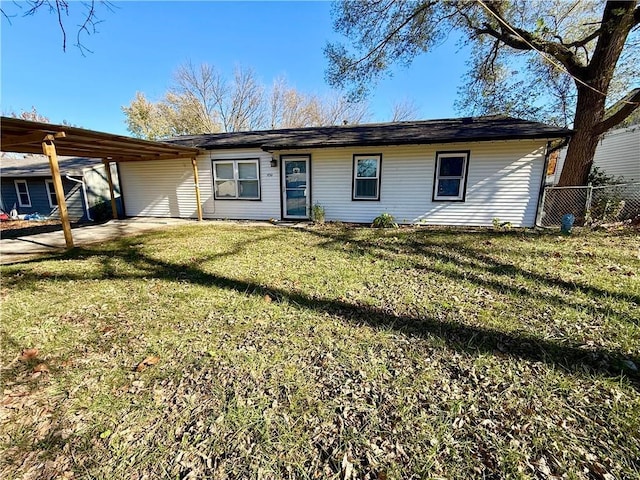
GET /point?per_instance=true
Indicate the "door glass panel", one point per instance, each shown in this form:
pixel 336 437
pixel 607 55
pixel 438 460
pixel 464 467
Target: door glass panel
pixel 295 188
pixel 296 174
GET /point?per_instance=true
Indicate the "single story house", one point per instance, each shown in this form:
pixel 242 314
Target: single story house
pixel 617 155
pixel 26 185
pixel 464 171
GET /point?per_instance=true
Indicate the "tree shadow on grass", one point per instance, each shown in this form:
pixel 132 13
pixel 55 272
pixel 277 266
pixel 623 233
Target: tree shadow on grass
pixel 458 336
pixel 474 264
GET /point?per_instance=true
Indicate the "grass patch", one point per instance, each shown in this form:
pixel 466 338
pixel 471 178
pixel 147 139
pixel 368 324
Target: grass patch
pixel 328 352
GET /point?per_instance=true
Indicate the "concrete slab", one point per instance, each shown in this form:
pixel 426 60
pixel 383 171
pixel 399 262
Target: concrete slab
pixel 13 250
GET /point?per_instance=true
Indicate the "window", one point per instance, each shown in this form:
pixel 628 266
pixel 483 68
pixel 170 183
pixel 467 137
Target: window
pixel 236 179
pixel 366 177
pixel 451 176
pixel 51 193
pixel 22 191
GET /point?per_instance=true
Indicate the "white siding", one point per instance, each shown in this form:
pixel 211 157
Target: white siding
pixel 503 181
pixel 166 188
pixel 264 209
pixel 162 188
pixel 617 154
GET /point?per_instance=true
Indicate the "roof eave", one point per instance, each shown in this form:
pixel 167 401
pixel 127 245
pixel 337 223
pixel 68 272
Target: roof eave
pixel 273 147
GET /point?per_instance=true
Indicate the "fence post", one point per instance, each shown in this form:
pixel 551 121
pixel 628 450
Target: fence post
pixel 541 211
pixel 587 211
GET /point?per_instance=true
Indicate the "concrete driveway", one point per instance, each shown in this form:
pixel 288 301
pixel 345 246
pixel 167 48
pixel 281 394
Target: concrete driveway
pixel 14 250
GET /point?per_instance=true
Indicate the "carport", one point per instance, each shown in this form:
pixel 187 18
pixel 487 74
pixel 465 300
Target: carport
pixel 23 136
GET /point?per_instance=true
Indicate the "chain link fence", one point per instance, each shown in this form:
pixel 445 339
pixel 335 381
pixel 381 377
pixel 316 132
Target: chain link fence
pixel 590 205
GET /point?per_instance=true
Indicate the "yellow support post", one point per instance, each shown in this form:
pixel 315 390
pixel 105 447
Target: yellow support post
pixel 114 207
pixel 194 164
pixel 49 149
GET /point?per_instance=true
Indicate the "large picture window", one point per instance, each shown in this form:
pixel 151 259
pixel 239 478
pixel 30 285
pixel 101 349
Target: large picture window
pixel 366 177
pixel 51 193
pixel 451 176
pixel 22 191
pixel 236 179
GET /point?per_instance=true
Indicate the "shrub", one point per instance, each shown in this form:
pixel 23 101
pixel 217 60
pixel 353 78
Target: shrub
pixel 498 225
pixel 317 213
pixel 384 220
pixel 607 203
pixel 598 178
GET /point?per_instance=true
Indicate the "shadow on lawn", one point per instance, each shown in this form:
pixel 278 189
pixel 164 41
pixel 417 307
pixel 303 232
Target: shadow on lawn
pixel 473 264
pixel 461 337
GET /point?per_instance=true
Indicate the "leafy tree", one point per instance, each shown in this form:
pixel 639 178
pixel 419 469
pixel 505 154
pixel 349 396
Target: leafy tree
pixel 553 60
pixel 31 115
pixel 163 119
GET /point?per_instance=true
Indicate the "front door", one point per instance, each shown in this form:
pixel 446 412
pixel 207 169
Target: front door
pixel 296 194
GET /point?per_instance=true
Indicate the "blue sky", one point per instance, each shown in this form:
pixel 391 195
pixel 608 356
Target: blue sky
pixel 140 44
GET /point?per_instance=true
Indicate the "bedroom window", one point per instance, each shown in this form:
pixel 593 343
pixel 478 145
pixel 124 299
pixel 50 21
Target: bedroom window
pixel 51 193
pixel 22 192
pixel 366 177
pixel 450 181
pixel 236 179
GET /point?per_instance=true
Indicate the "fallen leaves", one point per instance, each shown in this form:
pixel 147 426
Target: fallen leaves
pixel 150 361
pixel 29 354
pixel 347 467
pixel 41 368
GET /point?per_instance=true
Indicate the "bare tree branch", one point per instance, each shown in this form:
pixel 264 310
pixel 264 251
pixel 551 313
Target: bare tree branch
pixel 62 9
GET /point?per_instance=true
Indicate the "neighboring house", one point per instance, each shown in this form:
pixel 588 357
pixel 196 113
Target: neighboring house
pixel 617 155
pixel 464 171
pixel 26 183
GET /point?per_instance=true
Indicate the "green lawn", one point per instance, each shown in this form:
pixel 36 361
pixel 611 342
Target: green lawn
pixel 326 352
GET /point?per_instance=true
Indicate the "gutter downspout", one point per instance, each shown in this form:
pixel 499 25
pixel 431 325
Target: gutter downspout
pixel 84 194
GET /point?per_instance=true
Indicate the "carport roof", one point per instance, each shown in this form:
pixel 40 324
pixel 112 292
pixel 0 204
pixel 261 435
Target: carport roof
pixel 24 136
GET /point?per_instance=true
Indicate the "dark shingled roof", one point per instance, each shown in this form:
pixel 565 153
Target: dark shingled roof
pixel 495 127
pixel 27 165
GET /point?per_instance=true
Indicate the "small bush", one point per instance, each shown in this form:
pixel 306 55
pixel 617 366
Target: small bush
pixel 598 178
pixel 317 213
pixel 384 220
pixel 498 225
pixel 101 212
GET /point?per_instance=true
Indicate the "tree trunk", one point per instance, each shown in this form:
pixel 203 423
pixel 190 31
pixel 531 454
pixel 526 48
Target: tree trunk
pixel 618 19
pixel 582 147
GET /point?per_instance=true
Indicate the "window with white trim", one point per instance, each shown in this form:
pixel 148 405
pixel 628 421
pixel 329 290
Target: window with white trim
pixel 22 192
pixel 51 193
pixel 366 177
pixel 451 176
pixel 236 179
